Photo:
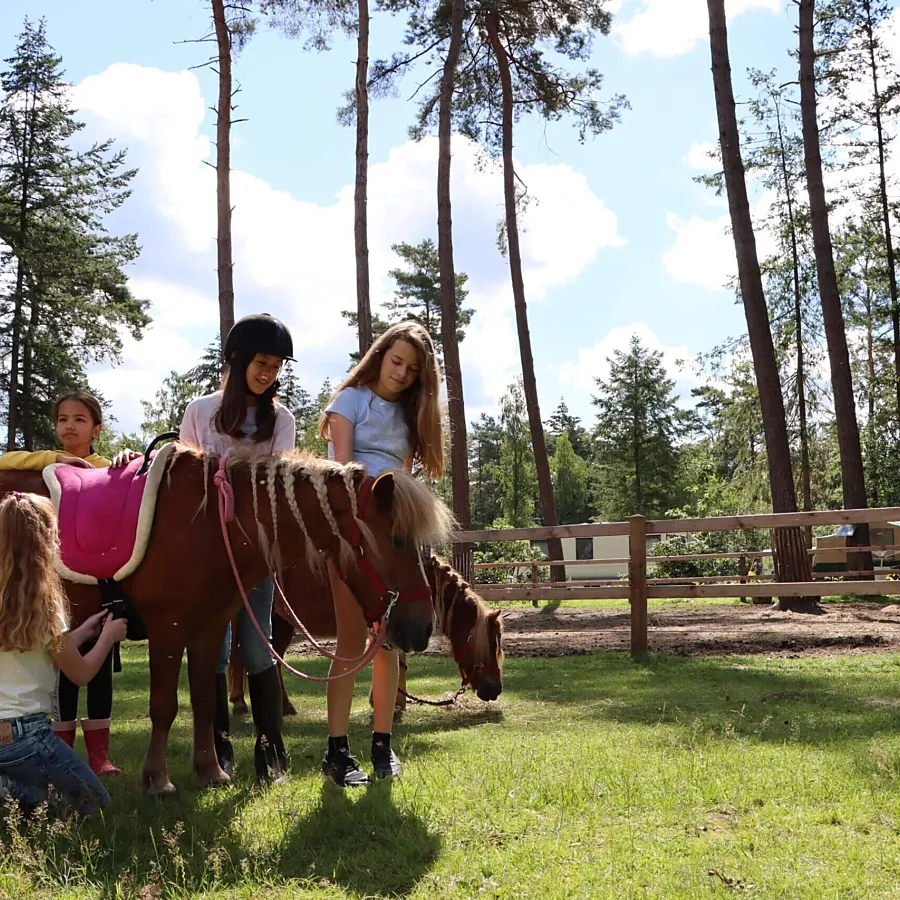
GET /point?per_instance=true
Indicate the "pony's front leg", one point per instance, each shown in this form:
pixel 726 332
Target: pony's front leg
pixel 203 657
pixel 400 703
pixel 166 650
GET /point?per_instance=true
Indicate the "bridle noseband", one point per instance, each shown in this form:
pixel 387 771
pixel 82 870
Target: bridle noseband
pixel 389 598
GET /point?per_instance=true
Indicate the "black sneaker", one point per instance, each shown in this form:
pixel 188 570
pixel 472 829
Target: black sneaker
pixel 344 770
pixel 384 761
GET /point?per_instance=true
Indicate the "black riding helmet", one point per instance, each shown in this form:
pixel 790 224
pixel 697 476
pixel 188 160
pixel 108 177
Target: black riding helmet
pixel 259 333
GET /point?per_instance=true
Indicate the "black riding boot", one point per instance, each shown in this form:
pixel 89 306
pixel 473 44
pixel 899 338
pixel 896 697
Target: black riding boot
pixel 269 754
pixel 221 727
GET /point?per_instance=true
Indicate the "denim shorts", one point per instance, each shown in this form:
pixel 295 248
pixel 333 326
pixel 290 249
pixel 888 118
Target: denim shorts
pixel 37 758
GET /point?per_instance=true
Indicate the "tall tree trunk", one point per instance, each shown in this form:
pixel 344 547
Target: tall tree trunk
pixel 871 455
pixel 225 264
pixel 360 194
pixel 852 473
pixel 877 102
pixel 791 559
pixel 542 463
pixel 20 251
pixel 12 420
pixel 805 477
pixel 459 443
pixel 27 374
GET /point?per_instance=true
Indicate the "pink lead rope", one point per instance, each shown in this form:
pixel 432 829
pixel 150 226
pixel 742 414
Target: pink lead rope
pixel 226 515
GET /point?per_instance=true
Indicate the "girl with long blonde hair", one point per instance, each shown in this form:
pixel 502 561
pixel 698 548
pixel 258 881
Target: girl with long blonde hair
pixel 78 419
pixel 34 640
pixel 386 415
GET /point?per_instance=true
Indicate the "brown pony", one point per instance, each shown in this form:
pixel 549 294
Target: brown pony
pixel 475 632
pixel 185 592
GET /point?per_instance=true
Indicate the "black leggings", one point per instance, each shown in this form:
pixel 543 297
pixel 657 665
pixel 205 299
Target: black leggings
pixel 99 694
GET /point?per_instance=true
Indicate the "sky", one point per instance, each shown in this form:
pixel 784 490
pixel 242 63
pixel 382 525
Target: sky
pixel 619 239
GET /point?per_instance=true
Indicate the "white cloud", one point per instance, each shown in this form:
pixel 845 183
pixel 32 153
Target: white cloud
pixel 703 252
pixel 675 27
pixel 295 258
pixel 703 156
pixel 592 362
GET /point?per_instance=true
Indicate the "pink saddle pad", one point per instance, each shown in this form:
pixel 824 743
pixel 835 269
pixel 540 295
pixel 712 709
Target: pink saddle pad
pixel 98 517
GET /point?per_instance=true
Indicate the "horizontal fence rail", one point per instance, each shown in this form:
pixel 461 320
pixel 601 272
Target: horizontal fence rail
pixel 639 587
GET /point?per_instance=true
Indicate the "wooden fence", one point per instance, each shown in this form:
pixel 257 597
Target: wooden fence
pixel 638 588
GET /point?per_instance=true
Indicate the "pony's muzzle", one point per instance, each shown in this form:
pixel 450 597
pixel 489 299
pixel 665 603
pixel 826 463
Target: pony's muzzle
pixel 409 636
pixel 488 688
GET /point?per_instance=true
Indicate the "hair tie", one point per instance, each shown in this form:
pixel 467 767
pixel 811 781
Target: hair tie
pixel 18 495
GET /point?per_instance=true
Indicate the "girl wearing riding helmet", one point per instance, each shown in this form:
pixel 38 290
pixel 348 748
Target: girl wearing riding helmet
pixel 386 415
pixel 78 418
pixel 245 414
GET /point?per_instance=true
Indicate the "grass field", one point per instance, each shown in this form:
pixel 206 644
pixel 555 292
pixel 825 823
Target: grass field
pixel 592 777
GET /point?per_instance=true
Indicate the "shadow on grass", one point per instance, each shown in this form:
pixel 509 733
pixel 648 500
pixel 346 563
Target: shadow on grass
pixel 837 700
pixel 361 842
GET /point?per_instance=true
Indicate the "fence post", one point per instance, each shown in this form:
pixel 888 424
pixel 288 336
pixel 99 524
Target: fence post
pixel 637 583
pixel 742 571
pixel 463 561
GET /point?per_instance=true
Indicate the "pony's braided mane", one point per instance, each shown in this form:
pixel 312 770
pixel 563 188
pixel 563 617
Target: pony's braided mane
pixel 289 466
pixel 451 592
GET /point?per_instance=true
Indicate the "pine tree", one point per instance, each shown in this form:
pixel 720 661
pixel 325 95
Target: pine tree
pixel 418 292
pixel 166 410
pixel 562 421
pixel 207 374
pixel 485 443
pixel 517 473
pixel 638 423
pixel 570 482
pixel 791 559
pixel 63 291
pixel 417 296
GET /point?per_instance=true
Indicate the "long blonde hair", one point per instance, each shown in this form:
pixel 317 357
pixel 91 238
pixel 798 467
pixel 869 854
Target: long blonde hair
pixel 33 608
pixel 420 401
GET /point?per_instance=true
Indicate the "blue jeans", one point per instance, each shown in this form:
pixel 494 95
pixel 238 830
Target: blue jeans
pixel 37 758
pixel 257 656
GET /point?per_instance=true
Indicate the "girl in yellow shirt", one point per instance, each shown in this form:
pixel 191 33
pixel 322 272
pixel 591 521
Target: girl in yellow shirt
pixel 79 421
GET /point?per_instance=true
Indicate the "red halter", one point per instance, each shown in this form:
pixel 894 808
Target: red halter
pixel 356 541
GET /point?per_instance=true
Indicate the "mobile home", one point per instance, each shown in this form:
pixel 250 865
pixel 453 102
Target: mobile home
pixel 600 548
pixel 831 550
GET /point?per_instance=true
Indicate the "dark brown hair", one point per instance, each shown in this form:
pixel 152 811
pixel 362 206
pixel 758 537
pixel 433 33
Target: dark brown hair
pixel 232 411
pixel 85 397
pixel 81 396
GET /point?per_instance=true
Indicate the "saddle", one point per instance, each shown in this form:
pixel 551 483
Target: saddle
pixel 105 517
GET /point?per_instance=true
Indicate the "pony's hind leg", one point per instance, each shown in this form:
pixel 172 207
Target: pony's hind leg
pixel 282 634
pixel 237 675
pixel 166 650
pixel 203 656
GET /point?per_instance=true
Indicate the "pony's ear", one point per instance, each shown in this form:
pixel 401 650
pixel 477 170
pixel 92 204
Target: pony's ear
pixel 383 492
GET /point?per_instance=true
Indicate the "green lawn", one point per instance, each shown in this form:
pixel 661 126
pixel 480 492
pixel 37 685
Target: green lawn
pixel 593 777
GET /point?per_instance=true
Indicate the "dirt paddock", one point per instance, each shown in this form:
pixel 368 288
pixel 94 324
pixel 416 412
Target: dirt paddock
pixel 694 630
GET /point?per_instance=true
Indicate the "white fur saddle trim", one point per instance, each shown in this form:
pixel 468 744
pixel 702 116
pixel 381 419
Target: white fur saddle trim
pixel 145 516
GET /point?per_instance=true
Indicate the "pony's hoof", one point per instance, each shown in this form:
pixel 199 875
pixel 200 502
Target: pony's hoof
pixel 240 708
pixel 215 778
pixel 168 791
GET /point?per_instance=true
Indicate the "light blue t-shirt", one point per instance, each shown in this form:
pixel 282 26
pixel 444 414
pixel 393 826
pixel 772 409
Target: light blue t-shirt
pixel 380 435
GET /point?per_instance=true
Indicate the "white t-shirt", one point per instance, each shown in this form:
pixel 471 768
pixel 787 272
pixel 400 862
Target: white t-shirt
pixel 199 429
pixel 380 434
pixel 27 681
